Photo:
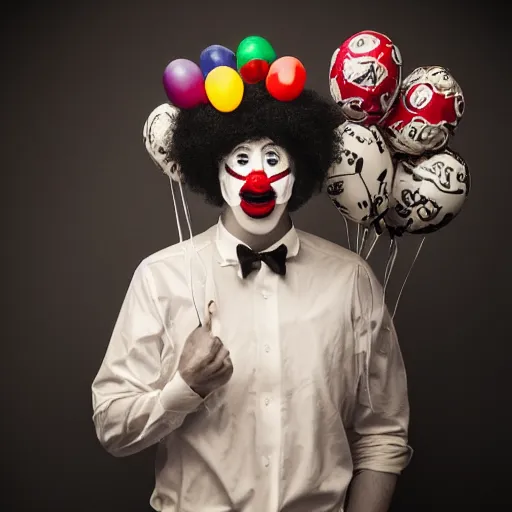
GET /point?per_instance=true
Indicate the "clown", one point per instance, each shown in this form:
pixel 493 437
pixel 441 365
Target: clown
pixel 268 404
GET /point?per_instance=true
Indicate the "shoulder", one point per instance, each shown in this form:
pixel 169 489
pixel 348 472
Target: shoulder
pixel 175 254
pixel 324 254
pixel 320 248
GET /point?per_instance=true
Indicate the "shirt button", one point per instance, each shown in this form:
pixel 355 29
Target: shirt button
pixel 265 294
pixel 267 401
pixel 267 348
pixel 266 462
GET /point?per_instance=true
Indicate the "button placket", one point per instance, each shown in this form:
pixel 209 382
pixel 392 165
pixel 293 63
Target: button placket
pixel 269 388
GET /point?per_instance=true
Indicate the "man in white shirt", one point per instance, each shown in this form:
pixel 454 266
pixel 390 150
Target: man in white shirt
pixel 275 403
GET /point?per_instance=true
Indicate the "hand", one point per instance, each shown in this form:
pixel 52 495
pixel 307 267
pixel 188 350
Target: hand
pixel 205 364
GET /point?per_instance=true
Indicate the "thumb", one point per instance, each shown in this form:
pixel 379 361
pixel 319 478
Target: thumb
pixel 210 311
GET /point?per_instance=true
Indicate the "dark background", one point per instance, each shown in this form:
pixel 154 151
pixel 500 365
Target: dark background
pixel 82 204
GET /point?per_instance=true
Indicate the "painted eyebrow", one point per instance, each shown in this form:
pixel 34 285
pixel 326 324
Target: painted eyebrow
pixel 269 145
pixel 240 148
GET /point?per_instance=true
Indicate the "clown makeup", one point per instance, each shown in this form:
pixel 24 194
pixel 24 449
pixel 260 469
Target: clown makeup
pixel 256 181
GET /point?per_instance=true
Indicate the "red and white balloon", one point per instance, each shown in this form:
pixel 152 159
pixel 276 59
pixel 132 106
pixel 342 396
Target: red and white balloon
pixel 365 76
pixel 429 108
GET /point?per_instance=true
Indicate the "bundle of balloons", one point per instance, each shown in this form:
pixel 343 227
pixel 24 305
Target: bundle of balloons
pixel 397 173
pixel 220 76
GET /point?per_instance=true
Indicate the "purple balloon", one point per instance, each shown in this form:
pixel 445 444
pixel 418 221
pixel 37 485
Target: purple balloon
pixel 184 84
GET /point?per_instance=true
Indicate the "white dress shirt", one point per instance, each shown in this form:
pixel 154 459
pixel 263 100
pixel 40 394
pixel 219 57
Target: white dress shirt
pixel 294 422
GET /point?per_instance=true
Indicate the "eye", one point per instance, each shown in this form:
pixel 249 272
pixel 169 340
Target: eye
pixel 242 159
pixel 272 158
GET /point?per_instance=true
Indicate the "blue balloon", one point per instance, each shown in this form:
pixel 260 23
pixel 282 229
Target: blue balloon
pixel 215 56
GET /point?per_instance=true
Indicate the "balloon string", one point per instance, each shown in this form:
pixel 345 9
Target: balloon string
pixel 364 239
pixel 393 253
pixel 388 261
pixel 407 276
pixel 186 210
pixel 374 243
pixel 178 223
pixel 195 253
pixel 347 229
pixel 358 234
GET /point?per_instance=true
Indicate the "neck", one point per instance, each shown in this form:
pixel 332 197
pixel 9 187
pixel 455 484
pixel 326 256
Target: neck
pixel 257 242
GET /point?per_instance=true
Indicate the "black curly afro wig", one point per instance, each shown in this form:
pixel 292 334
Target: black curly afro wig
pixel 304 127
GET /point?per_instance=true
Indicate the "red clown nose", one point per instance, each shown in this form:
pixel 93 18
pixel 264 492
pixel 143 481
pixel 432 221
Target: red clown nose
pixel 258 198
pixel 257 182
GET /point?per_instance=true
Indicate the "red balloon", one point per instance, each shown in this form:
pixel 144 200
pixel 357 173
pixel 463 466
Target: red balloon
pixel 365 75
pixel 254 71
pixel 286 78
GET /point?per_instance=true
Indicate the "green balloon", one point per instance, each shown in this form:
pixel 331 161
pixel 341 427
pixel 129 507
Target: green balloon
pixel 254 47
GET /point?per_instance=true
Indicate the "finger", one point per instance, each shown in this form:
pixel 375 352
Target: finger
pixel 213 347
pixel 225 369
pixel 218 361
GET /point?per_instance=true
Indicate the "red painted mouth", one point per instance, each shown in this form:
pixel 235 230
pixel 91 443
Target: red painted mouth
pixel 258 206
pixel 258 198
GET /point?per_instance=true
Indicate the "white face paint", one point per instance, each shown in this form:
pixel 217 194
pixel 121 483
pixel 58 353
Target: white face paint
pixel 256 182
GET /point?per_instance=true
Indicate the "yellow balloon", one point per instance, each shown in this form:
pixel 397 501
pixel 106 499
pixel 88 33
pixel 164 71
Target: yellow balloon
pixel 224 88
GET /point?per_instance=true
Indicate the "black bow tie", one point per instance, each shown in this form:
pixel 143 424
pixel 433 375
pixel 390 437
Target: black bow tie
pixel 276 259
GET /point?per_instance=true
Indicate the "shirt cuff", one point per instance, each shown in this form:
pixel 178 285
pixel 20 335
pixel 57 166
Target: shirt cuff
pixel 386 461
pixel 178 396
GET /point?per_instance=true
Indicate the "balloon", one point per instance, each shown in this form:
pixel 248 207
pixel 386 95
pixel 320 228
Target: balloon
pixel 254 48
pixel 359 185
pixel 184 84
pixel 286 78
pixel 429 108
pixel 214 56
pixel 365 75
pixel 156 134
pixel 225 88
pixel 254 71
pixel 428 192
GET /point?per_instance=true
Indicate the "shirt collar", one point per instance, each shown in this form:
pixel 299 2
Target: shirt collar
pixel 226 244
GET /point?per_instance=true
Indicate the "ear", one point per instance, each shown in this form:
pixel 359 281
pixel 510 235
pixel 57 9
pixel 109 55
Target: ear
pixel 157 134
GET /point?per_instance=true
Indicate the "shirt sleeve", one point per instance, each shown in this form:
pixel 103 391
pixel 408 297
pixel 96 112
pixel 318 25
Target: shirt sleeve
pixel 135 403
pixel 379 432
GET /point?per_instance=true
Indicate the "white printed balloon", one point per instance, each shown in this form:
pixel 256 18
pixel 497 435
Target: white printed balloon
pixel 428 192
pixel 360 183
pixel 156 133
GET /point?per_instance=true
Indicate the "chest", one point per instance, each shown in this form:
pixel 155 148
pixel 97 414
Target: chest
pixel 294 332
